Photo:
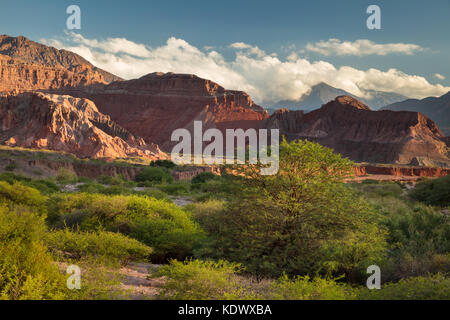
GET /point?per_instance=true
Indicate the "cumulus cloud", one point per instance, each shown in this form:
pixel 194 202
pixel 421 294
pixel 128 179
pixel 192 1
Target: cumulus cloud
pixel 362 47
pixel 439 76
pixel 266 77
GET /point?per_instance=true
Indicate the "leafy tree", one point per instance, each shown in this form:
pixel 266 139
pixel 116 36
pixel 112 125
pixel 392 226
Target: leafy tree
pixel 303 220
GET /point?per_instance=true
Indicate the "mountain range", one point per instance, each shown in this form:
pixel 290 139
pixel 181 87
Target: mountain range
pixel 323 93
pixel 436 108
pixel 55 99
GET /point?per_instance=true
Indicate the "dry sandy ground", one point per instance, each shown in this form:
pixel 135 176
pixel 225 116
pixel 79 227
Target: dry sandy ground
pixel 136 281
pixel 182 201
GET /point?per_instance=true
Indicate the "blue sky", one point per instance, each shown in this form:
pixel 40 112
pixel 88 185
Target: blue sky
pixel 275 27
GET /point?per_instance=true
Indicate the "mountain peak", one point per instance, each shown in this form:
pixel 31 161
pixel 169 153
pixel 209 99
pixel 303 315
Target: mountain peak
pixel 346 101
pixel 24 50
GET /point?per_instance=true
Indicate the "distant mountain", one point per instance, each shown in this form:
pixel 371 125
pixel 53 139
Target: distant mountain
pixel 437 109
pixel 323 93
pixel 349 127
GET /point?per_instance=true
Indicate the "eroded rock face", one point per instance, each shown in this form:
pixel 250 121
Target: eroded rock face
pixel 352 129
pixel 157 104
pixel 364 170
pixel 28 65
pixel 64 123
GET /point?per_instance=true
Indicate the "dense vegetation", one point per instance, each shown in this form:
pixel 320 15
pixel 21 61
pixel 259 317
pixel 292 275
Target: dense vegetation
pixel 301 234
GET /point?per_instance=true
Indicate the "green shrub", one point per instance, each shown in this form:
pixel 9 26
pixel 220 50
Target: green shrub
pixel 419 237
pixel 435 287
pixel 419 231
pixel 176 189
pixel 205 213
pixel 27 270
pixel 108 180
pixel 433 192
pixel 200 280
pixel 203 177
pixel 208 280
pixel 65 176
pixel 152 174
pixel 379 189
pixel 166 228
pixel 46 187
pixel 219 188
pixel 155 193
pixel 163 163
pixel 304 288
pixel 102 244
pixel 17 193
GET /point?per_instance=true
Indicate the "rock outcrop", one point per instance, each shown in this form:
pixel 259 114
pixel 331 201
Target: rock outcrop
pixel 64 123
pixel 26 65
pixel 352 129
pixel 399 171
pixel 157 104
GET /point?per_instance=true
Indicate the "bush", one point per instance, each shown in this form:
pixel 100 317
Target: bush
pixel 65 176
pixel 208 280
pixel 27 270
pixel 433 192
pixel 155 193
pixel 200 280
pixel 152 174
pixel 157 223
pixel 114 181
pixel 205 212
pixel 419 237
pixel 303 288
pixel 435 287
pixel 17 193
pixel 203 177
pixel 163 163
pixel 379 189
pixel 176 189
pixel 46 187
pixel 107 245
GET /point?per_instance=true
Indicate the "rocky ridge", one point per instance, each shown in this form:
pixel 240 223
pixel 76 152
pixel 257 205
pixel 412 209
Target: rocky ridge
pixel 64 123
pixel 352 129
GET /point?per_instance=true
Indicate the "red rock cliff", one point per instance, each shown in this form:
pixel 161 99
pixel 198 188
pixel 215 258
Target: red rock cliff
pixel 352 129
pixel 64 123
pixel 157 104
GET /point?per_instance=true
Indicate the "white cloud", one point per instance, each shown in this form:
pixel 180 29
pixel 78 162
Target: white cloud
pixel 265 77
pixel 439 76
pixel 248 48
pixel 362 47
